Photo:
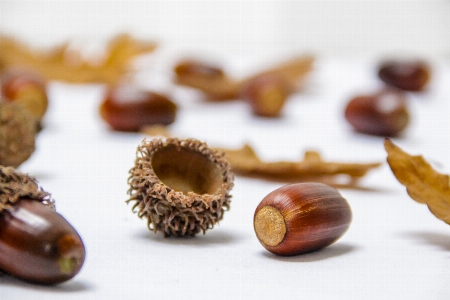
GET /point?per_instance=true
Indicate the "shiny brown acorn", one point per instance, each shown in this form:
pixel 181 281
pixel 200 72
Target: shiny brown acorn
pixel 300 218
pixel 36 243
pixel 25 88
pixel 39 245
pixel 384 113
pixel 266 94
pixel 129 108
pixel 198 68
pixel 409 75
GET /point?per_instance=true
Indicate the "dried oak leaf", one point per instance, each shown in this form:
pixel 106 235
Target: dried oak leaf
pixel 245 161
pixel 66 64
pixel 422 182
pixel 221 87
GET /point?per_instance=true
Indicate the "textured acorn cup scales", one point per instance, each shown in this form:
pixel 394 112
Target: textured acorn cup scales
pixel 15 185
pixel 181 186
pixel 17 134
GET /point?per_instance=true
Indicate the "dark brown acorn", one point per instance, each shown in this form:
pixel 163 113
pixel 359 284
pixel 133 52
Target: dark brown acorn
pixel 300 218
pixel 26 88
pixel 36 243
pixel 266 94
pixel 198 68
pixel 384 113
pixel 405 75
pixel 129 108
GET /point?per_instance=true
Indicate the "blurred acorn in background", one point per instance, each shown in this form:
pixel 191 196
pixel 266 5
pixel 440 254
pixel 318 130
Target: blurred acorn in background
pixel 408 75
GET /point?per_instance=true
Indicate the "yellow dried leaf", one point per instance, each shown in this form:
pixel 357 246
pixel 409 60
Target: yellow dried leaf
pixel 422 182
pixel 156 130
pixel 312 167
pixel 63 63
pixel 221 88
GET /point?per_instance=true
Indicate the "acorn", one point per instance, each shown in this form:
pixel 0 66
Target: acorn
pixel 300 218
pixel 36 243
pixel 190 67
pixel 266 94
pixel 384 113
pixel 18 131
pixel 130 108
pixel 408 75
pixel 182 187
pixel 26 88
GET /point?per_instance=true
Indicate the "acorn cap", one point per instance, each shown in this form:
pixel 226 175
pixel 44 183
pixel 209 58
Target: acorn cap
pixel 15 185
pixel 181 186
pixel 17 134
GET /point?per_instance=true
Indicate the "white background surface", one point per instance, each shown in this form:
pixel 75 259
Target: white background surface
pixel 394 249
pixel 334 27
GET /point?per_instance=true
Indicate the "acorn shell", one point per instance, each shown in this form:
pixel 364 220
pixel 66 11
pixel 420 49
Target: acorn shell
pixel 15 185
pixel 300 218
pixel 181 186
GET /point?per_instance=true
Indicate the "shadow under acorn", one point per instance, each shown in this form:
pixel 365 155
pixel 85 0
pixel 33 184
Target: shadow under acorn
pixel 211 237
pixel 71 286
pixel 329 252
pixel 439 240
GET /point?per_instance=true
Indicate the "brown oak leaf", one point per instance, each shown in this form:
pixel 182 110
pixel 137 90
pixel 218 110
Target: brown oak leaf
pixel 422 182
pixel 312 167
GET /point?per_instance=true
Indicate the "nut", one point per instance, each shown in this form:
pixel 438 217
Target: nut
pixel 300 218
pixel 405 75
pixel 266 94
pixel 384 113
pixel 198 68
pixel 27 89
pixel 129 108
pixel 36 243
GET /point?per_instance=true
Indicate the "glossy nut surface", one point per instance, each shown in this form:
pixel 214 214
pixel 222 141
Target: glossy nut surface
pixel 38 245
pixel 266 95
pixel 27 89
pixel 405 75
pixel 383 114
pixel 198 68
pixel 300 218
pixel 128 108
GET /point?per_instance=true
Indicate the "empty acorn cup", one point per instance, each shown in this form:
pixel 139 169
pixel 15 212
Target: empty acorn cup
pixel 182 187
